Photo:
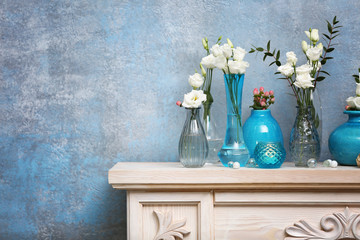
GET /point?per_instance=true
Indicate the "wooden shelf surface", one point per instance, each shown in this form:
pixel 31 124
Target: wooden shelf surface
pixel 172 175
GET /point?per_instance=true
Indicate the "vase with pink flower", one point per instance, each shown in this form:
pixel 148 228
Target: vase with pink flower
pixel 261 126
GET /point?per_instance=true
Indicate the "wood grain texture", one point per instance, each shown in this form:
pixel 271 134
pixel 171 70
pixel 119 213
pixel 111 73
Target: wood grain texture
pixel 171 175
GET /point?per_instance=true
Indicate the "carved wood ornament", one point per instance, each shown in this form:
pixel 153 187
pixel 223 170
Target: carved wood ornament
pixel 167 229
pixel 341 225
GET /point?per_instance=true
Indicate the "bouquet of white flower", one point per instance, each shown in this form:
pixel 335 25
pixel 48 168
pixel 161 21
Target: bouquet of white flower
pixel 353 103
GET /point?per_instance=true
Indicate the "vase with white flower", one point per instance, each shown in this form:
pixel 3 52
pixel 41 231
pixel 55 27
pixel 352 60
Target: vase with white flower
pixel 230 60
pixel 214 139
pixel 193 146
pixel 344 142
pixel 304 138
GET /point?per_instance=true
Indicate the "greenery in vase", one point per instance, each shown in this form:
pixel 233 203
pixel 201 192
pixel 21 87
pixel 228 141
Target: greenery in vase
pixel 353 103
pixel 303 79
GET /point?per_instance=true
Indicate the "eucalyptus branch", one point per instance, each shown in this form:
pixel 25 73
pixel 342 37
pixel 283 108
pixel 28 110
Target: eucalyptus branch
pixel 356 77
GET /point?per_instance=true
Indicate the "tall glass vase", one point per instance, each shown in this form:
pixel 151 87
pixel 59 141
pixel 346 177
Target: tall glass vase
pixel 193 146
pixel 212 135
pixel 234 148
pixel 304 138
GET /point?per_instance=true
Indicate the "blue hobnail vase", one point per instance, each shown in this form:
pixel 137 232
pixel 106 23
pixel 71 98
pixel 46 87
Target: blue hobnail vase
pixel 269 154
pixel 344 141
pixel 234 148
pixel 261 126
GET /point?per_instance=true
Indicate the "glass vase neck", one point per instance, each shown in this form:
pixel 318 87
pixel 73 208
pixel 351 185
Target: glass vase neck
pixel 354 116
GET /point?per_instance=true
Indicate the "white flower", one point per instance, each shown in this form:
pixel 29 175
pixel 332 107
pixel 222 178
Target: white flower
pixel 314 53
pixel 358 89
pixel 313 36
pixel 304 46
pixel 220 62
pixel 194 99
pixel 286 70
pixel 303 81
pixel 357 103
pixel 238 67
pixel 238 53
pixel 318 66
pixel 350 102
pixel 216 50
pixel 208 61
pixel 306 68
pixel 196 80
pixel 227 50
pixel 291 58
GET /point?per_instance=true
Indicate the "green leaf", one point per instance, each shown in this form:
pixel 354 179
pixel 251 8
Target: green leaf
pixel 325 72
pixel 277 72
pixel 268 46
pixel 329 26
pixel 274 52
pixel 323 62
pixel 268 54
pixel 334 20
pixel 278 63
pixel 272 64
pixel 357 80
pixel 320 78
pixel 327 36
pixel 335 32
pixel 355 76
pixel 335 36
pixel 330 50
pixel 259 49
pixel 264 57
pixel 278 55
pixel 337 27
pixel 251 51
pixel 328 58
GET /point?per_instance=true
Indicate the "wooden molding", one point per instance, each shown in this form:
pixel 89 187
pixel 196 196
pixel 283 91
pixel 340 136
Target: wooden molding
pixel 341 225
pixel 167 229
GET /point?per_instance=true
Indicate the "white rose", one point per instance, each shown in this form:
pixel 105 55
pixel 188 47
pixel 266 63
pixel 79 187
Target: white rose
pixel 238 53
pixel 313 36
pixel 208 61
pixel 227 50
pixel 303 81
pixel 194 99
pixel 304 46
pixel 196 80
pixel 306 68
pixel 286 70
pixel 216 50
pixel 291 58
pixel 357 103
pixel 358 89
pixel 350 102
pixel 238 67
pixel 314 53
pixel 220 62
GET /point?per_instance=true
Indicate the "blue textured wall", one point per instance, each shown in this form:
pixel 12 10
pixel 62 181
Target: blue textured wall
pixel 85 84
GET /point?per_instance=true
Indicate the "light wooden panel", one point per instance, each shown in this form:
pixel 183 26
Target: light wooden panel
pixel 265 222
pixel 196 207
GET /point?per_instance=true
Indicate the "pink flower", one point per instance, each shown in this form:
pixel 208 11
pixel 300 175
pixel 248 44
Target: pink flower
pixel 266 94
pixel 256 91
pixel 271 93
pixel 263 104
pixel 347 107
pixel 263 100
pixel 261 89
pixel 178 103
pixel 272 100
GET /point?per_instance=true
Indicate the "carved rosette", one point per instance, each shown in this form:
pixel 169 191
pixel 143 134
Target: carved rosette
pixel 167 229
pixel 341 225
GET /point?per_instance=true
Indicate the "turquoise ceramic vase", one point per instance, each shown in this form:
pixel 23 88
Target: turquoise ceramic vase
pixel 261 126
pixel 344 141
pixel 234 148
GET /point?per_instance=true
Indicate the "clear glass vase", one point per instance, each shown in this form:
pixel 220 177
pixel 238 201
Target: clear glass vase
pixel 193 146
pixel 212 135
pixel 304 138
pixel 234 148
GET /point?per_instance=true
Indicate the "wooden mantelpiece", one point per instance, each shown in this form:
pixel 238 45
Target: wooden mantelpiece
pixel 215 202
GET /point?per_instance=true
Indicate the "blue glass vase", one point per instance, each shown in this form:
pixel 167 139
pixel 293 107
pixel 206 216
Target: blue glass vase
pixel 269 154
pixel 261 126
pixel 193 146
pixel 234 148
pixel 344 141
